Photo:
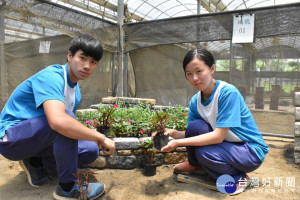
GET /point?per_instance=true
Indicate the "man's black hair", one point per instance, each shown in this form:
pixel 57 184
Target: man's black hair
pixel 89 45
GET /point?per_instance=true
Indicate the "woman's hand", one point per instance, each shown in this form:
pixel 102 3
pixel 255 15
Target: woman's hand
pixel 167 132
pixel 172 132
pixel 170 146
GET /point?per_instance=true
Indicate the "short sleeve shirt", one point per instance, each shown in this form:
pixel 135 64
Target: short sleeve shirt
pixel 226 108
pixel 26 100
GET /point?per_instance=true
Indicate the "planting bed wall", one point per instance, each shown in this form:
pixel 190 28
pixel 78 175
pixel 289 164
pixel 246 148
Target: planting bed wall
pixel 129 155
pixel 127 100
pixel 297 128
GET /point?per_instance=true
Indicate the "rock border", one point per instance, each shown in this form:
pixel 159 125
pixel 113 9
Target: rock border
pixel 129 155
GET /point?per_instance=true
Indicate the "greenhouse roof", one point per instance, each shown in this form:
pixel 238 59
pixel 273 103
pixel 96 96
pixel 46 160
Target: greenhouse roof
pixel 144 10
pixel 21 23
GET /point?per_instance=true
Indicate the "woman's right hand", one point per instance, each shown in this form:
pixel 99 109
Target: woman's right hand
pixel 172 132
pixel 167 132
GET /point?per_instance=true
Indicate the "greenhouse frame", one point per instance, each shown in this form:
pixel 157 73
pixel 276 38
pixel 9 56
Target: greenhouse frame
pixel 144 45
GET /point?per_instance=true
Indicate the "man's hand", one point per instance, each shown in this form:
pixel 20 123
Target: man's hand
pixel 107 145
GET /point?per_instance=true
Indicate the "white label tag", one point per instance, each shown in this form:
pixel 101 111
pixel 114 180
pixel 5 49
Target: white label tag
pixel 44 46
pixel 243 28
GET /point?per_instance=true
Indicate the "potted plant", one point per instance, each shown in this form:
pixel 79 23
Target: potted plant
pixel 159 122
pixel 105 118
pixel 150 152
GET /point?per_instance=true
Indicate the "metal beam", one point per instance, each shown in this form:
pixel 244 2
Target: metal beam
pixel 219 5
pixel 24 31
pixel 90 8
pixel 114 8
pixel 3 68
pixel 213 5
pixel 205 4
pixel 27 17
pixel 106 4
pixel 18 36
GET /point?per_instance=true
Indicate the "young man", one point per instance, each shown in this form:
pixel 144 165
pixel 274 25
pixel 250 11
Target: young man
pixel 38 122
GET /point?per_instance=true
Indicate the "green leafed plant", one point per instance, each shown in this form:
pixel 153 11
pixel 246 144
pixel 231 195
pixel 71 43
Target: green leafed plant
pixel 132 121
pixel 179 118
pixel 159 121
pixel 135 120
pixel 149 150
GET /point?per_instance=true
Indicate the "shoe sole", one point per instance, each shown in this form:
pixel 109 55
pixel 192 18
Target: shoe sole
pixel 56 197
pixel 199 172
pixel 99 193
pixel 242 189
pixel 27 173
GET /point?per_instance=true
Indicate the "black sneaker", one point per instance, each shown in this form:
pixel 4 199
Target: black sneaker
pixel 36 175
pixel 95 190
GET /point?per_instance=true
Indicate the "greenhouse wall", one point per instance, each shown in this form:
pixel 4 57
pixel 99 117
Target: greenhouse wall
pixel 23 60
pixel 156 50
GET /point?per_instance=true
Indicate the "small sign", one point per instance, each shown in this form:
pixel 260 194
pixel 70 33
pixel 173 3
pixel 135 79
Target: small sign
pixel 243 28
pixel 44 46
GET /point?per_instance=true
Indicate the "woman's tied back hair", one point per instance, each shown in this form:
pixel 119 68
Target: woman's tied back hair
pixel 201 54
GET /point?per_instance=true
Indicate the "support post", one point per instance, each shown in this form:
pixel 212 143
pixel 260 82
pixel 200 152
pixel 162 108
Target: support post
pixel 113 74
pixel 120 10
pixel 125 74
pixel 230 65
pixel 198 28
pixel 3 72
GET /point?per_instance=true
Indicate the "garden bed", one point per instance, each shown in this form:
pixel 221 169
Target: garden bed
pixel 138 120
pixel 129 125
pixel 130 155
pixel 133 185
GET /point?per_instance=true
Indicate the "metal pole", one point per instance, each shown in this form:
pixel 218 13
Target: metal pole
pixel 113 74
pixel 198 7
pixel 121 46
pixel 198 27
pixel 230 66
pixel 4 84
pixel 125 75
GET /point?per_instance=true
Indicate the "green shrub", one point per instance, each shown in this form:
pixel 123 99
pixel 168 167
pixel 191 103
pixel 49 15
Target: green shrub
pixel 135 120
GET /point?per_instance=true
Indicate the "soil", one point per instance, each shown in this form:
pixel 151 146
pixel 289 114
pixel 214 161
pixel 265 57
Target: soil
pixel 279 178
pixel 280 121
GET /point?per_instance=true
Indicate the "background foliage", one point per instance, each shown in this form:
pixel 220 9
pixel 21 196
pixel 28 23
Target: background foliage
pixel 134 120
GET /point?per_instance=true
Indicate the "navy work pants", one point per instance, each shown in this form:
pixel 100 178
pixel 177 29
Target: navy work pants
pixel 35 138
pixel 234 159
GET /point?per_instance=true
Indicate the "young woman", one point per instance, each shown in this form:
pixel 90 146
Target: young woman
pixel 221 135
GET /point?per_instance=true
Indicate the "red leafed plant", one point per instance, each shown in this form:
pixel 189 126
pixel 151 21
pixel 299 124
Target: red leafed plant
pixel 106 112
pixel 83 180
pixel 159 121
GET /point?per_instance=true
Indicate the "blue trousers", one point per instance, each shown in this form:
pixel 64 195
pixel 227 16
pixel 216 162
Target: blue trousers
pixel 234 159
pixel 35 138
